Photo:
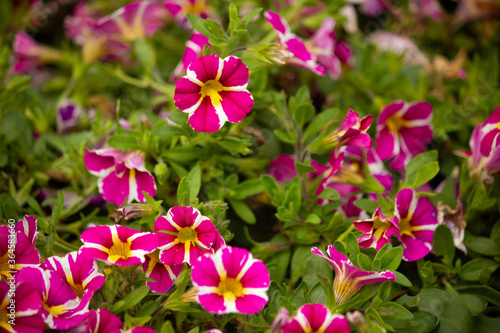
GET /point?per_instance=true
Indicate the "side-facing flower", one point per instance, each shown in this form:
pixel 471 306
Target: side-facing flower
pixel 80 272
pixel 122 175
pixel 316 318
pixel 377 230
pixel 60 308
pixel 19 309
pixel 214 91
pixel 283 168
pixel 490 130
pixel 117 245
pixel 164 275
pixel 193 50
pixel 403 131
pixel 103 321
pixel 231 281
pixel 28 53
pixel 183 235
pixel 349 278
pixel 68 116
pixel 416 218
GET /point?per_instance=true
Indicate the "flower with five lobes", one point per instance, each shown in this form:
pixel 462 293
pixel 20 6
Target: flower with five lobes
pixel 231 281
pixel 213 92
pixel 316 318
pixel 377 230
pixel 416 218
pixel 349 278
pixel 117 245
pixel 184 234
pixel 403 131
pixel 163 275
pixel 122 175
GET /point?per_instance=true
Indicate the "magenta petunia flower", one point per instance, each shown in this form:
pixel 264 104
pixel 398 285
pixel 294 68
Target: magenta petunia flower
pixel 60 308
pixel 103 321
pixel 20 309
pixel 122 175
pixel 164 275
pixel 403 131
pixel 283 168
pixel 231 281
pixel 29 54
pixel 490 130
pixel 377 230
pixel 193 50
pixel 17 246
pixel 349 278
pixel 213 92
pixel 179 9
pixel 80 272
pixel 416 218
pixel 183 235
pixel 352 132
pixel 117 245
pixel 316 318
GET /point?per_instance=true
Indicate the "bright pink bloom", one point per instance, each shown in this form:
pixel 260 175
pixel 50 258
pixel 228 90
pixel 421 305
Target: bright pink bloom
pixel 316 318
pixel 352 132
pixel 164 275
pixel 213 92
pixel 377 230
pixel 29 54
pixel 283 168
pixel 416 218
pixel 193 50
pixel 179 9
pixel 80 272
pixel 122 175
pixel 231 281
pixel 61 308
pixel 117 245
pixel 349 278
pixel 103 321
pixel 403 131
pixel 183 235
pixel 21 307
pixel 490 130
pixel 18 245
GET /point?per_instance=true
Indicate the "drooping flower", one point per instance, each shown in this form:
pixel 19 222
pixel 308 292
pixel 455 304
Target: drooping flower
pixel 17 246
pixel 183 235
pixel 19 309
pixel 80 272
pixel 416 218
pixel 490 130
pixel 193 50
pixel 283 168
pixel 117 245
pixel 231 281
pixel 164 275
pixel 403 131
pixel 29 54
pixel 60 308
pixel 213 92
pixel 453 218
pixel 316 318
pixel 377 230
pixel 122 175
pixel 68 116
pixel 349 278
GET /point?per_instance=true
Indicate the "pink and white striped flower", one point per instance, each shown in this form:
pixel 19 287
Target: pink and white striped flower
pixel 403 131
pixel 103 321
pixel 164 275
pixel 490 131
pixel 416 219
pixel 80 272
pixel 316 318
pixel 29 54
pixel 20 309
pixel 122 175
pixel 184 234
pixel 193 50
pixel 377 230
pixel 349 278
pixel 213 92
pixel 61 307
pixel 117 245
pixel 231 281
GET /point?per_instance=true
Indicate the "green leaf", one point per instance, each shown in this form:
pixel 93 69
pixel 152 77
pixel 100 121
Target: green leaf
pixel 287 137
pixel 182 154
pixel 475 304
pixel 183 192
pixel 303 113
pixel 298 263
pixel 422 322
pixel 248 187
pixel 443 244
pixel 419 161
pixel 366 204
pixel 302 168
pixel 194 179
pixel 278 264
pixel 478 269
pixel 391 310
pixel 402 280
pixel 178 117
pixel 321 120
pixel 131 299
pixel 249 17
pixel 292 197
pixel 214 29
pixel 168 130
pixel 392 258
pixel 242 210
pixel 487 293
pixel 364 262
pixel 57 210
pixel 329 194
pixel 12 122
pixel 352 247
pixel 272 187
pixel 313 219
pixel 234 18
pixel 483 245
pixel 123 142
pixel 198 24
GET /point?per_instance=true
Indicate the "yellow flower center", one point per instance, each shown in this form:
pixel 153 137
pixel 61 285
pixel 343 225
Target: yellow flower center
pixel 4 265
pixel 395 123
pixel 405 228
pixel 187 234
pixel 211 89
pixel 230 289
pixel 195 8
pixel 380 227
pixel 54 310
pixel 119 250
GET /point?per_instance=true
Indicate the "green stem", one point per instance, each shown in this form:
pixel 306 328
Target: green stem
pixel 345 233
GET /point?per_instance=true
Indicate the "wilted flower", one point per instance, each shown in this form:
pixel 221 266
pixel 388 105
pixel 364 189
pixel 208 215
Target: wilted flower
pixel 213 92
pixel 403 131
pixel 377 230
pixel 416 218
pixel 29 54
pixel 117 245
pixel 453 219
pixel 133 210
pixel 193 50
pixel 283 168
pixel 122 175
pixel 349 278
pixel 183 235
pixel 316 318
pixel 231 281
pixel 164 275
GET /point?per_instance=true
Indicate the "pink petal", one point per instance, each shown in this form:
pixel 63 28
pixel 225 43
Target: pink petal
pixel 299 49
pixel 387 145
pixel 234 73
pixel 98 165
pixel 316 315
pixel 187 94
pixel 205 68
pixel 418 111
pixel 234 259
pixel 250 304
pixel 204 273
pixel 388 111
pixel 414 249
pixel 145 182
pixel 256 276
pixel 205 118
pixel 115 189
pixel 236 104
pixel 277 22
pixel 212 303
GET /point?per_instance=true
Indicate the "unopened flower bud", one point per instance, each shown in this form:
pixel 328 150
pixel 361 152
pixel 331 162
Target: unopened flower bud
pixel 133 210
pixel 161 172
